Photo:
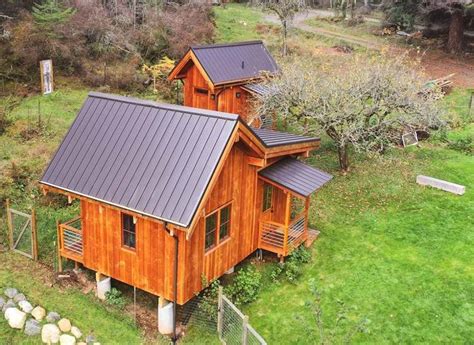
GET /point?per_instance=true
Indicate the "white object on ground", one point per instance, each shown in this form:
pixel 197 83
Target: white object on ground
pixel 165 318
pixel 103 286
pixel 25 306
pixel 66 339
pixel 440 184
pixel 64 325
pixel 16 318
pixel 76 332
pixel 50 334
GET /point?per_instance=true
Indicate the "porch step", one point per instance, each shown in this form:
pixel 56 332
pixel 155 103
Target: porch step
pixel 312 236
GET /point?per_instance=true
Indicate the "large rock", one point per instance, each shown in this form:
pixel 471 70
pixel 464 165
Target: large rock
pixel 9 304
pixel 76 332
pixel 16 318
pixel 11 292
pixel 38 313
pixel 52 317
pixel 32 327
pixel 66 339
pixel 19 297
pixel 50 334
pixel 64 325
pixel 25 306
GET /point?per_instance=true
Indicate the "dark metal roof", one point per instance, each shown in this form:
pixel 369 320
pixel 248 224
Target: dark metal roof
pixel 259 89
pixel 154 159
pixel 296 176
pixel 231 62
pixel 271 138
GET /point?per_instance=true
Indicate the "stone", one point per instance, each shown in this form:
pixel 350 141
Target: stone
pixel 38 313
pixel 50 334
pixel 2 302
pixel 9 304
pixel 11 292
pixel 32 327
pixel 81 343
pixel 19 297
pixel 52 317
pixel 15 317
pixel 66 339
pixel 25 306
pixel 90 339
pixel 64 325
pixel 76 332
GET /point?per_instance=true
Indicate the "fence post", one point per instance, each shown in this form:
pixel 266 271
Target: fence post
pixel 60 262
pixel 34 239
pixel 220 312
pixel 245 330
pixel 10 224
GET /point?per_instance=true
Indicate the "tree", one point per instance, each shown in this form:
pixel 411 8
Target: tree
pixel 51 12
pixel 285 10
pixel 364 104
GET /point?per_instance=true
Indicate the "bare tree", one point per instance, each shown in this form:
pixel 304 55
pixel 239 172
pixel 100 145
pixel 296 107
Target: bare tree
pixel 358 103
pixel 285 10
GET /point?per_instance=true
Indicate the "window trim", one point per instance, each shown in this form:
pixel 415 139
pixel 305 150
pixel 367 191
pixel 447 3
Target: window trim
pixel 122 230
pixel 219 241
pixel 265 184
pixel 201 91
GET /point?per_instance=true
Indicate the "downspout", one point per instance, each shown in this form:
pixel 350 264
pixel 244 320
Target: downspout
pixel 175 280
pixel 217 97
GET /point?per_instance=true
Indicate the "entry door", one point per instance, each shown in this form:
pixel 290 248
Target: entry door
pixel 267 202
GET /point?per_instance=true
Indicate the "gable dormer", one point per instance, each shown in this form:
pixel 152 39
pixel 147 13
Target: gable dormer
pixel 223 76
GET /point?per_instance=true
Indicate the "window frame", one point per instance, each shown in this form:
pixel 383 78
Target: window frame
pixel 123 230
pixel 201 91
pixel 270 200
pixel 218 240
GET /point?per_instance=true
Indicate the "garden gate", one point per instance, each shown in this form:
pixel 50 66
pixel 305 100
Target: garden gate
pixel 22 232
pixel 233 326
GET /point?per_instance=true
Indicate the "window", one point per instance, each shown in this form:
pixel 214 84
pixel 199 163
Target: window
pixel 201 91
pixel 128 231
pixel 267 196
pixel 217 227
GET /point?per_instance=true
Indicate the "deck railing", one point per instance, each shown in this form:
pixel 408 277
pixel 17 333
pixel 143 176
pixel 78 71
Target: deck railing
pixel 282 239
pixel 70 239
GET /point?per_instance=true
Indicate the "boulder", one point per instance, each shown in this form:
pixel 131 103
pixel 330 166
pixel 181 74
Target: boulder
pixel 11 292
pixel 90 339
pixel 81 343
pixel 19 297
pixel 15 317
pixel 67 339
pixel 64 325
pixel 76 332
pixel 9 304
pixel 2 302
pixel 50 334
pixel 25 306
pixel 52 317
pixel 32 327
pixel 38 313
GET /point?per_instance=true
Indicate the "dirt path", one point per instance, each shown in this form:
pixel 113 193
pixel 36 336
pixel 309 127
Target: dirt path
pixel 437 63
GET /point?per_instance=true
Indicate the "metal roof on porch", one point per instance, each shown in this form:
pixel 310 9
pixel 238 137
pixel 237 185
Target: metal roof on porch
pixel 296 176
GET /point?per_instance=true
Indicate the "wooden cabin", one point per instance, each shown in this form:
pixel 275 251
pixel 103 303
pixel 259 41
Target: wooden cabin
pixel 162 184
pixel 225 77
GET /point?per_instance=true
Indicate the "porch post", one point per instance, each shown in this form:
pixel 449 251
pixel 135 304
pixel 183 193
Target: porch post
pixel 306 216
pixel 287 223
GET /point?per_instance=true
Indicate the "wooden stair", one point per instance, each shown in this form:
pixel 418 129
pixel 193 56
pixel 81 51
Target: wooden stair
pixel 312 236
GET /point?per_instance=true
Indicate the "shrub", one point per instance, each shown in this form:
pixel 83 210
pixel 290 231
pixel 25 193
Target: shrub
pixel 464 145
pixel 246 285
pixel 292 268
pixel 208 303
pixel 114 297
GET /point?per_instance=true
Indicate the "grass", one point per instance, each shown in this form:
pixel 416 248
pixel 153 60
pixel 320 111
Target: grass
pixel 237 23
pixel 109 325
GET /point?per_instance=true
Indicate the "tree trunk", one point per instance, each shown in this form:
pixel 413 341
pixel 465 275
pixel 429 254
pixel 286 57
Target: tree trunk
pixel 343 158
pixel 456 31
pixel 285 32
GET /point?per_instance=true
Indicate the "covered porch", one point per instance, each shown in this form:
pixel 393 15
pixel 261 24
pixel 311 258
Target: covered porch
pixel 286 187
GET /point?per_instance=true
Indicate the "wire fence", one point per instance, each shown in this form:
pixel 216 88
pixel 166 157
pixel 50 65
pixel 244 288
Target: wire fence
pixel 215 316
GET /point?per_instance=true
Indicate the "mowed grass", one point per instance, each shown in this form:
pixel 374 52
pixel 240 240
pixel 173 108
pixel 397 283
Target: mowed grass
pixel 109 325
pixel 396 253
pixel 237 23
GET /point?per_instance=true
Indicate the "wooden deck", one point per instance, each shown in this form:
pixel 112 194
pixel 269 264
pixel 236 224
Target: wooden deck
pixel 70 240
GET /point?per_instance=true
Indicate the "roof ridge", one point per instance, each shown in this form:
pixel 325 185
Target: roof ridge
pixel 167 106
pixel 227 44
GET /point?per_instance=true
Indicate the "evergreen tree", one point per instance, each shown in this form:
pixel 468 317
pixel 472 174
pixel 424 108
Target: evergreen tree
pixel 51 12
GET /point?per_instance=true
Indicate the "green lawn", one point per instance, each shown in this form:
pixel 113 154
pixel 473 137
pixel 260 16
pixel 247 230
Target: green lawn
pixel 107 324
pixel 237 23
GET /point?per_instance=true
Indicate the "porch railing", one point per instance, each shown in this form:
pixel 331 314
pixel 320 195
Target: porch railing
pixel 281 239
pixel 70 239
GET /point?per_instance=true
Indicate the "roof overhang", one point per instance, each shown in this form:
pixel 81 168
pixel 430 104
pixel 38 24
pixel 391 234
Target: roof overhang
pixel 295 176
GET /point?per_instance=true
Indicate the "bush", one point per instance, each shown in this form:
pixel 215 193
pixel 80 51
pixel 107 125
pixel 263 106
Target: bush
pixel 208 304
pixel 402 14
pixel 292 268
pixel 114 297
pixel 464 145
pixel 245 286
